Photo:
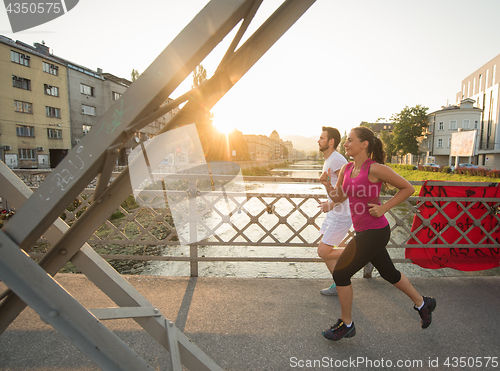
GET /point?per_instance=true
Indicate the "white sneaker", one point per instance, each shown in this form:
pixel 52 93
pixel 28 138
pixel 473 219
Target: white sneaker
pixel 331 291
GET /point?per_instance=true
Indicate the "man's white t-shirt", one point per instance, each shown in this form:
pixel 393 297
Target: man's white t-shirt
pixel 334 162
pixel 338 220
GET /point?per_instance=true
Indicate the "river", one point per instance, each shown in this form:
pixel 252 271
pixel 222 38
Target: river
pixel 304 169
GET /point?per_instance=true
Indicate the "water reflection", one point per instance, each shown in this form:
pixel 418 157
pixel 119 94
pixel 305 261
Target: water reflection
pixel 301 169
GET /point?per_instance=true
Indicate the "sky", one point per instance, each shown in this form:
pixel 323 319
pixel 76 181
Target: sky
pixel 341 63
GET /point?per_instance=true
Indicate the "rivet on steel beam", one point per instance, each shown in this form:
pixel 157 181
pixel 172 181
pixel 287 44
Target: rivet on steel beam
pixel 170 323
pixel 54 314
pixel 155 310
pixel 63 252
pixel 99 200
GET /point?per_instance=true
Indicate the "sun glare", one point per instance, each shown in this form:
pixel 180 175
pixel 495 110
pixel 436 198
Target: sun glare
pixel 223 127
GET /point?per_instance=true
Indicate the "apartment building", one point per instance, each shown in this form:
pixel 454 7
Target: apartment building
pixel 483 87
pixel 444 125
pixel 48 104
pixel 34 111
pixel 259 147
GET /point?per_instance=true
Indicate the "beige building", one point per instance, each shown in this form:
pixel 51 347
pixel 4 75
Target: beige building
pixel 483 87
pixel 259 147
pixel 34 111
pixel 48 104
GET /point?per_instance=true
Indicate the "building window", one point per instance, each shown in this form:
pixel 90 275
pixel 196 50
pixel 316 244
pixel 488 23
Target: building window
pixel 440 143
pixel 23 107
pixel 441 125
pixel 428 143
pixel 87 90
pixel 27 154
pixel 116 95
pixel 20 58
pixel 54 133
pixel 25 131
pixel 50 68
pixel 21 83
pixel 453 124
pixel 88 110
pixel 466 124
pixel 476 124
pixel 51 90
pixel 449 142
pixel 86 129
pixel 53 112
pixel 480 83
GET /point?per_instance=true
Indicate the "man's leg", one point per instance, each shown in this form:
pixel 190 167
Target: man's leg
pixel 330 255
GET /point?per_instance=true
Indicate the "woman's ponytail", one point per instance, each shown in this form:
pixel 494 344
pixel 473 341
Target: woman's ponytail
pixel 378 153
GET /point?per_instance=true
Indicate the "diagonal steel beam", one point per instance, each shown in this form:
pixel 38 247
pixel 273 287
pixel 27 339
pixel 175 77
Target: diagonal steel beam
pixel 143 97
pixel 58 308
pixel 105 278
pixel 142 100
pixel 242 60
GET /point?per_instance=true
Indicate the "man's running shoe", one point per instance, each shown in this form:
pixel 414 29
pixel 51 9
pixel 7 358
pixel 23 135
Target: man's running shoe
pixel 339 331
pixel 426 311
pixel 331 291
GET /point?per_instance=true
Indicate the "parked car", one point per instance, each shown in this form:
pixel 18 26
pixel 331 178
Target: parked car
pixel 432 165
pixel 468 166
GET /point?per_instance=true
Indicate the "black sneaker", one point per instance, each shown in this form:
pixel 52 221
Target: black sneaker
pixel 426 311
pixel 339 331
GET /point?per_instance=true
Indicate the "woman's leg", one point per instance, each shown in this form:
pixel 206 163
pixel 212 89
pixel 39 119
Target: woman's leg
pixel 405 286
pixel 345 299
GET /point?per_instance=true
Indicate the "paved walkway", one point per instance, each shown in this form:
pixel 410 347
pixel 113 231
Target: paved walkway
pixel 275 324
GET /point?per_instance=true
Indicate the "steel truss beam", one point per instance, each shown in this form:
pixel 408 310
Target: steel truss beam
pixel 95 155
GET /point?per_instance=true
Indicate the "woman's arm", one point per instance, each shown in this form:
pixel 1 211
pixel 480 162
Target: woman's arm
pixel 336 194
pixel 382 173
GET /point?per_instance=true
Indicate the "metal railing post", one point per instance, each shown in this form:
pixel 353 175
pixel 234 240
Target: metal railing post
pixel 193 228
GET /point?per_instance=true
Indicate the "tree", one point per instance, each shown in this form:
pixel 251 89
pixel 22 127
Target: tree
pixel 199 76
pixel 408 126
pixel 214 144
pixel 134 75
pixel 389 145
pixel 341 147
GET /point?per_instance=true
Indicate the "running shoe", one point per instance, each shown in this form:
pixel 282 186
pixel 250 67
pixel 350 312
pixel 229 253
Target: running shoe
pixel 339 331
pixel 331 291
pixel 426 311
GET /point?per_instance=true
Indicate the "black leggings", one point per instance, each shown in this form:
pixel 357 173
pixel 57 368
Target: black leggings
pixel 366 246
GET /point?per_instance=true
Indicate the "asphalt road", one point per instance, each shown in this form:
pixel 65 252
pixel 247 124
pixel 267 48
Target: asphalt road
pixel 275 324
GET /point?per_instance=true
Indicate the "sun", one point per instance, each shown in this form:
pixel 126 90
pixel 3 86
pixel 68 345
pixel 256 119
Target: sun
pixel 223 127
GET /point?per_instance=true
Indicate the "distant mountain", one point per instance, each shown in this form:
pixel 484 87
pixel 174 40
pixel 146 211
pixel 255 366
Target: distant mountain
pixel 301 143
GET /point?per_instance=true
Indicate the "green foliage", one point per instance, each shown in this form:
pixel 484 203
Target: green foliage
pixel 389 144
pixel 408 126
pixel 447 169
pixel 199 76
pixel 402 167
pixel 261 170
pixel 134 75
pixel 341 147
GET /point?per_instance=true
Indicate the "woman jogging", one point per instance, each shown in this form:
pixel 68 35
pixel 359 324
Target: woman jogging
pixel 361 182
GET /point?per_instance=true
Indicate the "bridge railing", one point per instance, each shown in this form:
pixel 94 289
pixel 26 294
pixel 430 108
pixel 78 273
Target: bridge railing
pixel 263 219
